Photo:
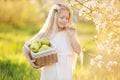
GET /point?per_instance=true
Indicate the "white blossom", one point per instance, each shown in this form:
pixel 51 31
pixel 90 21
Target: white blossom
pixel 112 2
pixel 92 62
pixel 109 50
pixel 104 25
pixel 84 11
pixel 100 64
pixel 82 1
pixel 106 16
pixel 92 4
pixel 95 37
pixel 98 27
pixel 115 62
pixel 88 17
pixel 102 5
pixel 99 57
pixel 108 66
pixel 109 9
pixel 100 46
pixel 118 49
pixel 111 43
pixel 97 17
pixel 110 35
pixel 116 23
pixel 116 12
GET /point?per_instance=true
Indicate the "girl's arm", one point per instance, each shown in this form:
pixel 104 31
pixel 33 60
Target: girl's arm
pixel 73 38
pixel 27 54
pixel 26 51
pixel 75 44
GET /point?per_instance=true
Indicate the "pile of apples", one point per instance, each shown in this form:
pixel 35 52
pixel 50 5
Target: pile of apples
pixel 40 45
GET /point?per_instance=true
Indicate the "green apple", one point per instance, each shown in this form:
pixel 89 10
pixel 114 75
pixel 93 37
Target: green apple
pixel 37 42
pixel 41 49
pixel 34 47
pixel 44 47
pixel 45 41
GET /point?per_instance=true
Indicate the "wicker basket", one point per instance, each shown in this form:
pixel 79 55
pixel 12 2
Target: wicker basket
pixel 46 57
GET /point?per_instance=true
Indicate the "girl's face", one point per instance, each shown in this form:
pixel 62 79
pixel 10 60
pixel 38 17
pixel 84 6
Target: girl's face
pixel 63 18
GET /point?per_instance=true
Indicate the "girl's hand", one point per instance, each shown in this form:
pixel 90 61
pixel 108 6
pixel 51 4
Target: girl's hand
pixel 33 64
pixel 27 54
pixel 70 29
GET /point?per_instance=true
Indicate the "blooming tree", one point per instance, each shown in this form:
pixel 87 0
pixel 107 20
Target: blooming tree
pixel 106 16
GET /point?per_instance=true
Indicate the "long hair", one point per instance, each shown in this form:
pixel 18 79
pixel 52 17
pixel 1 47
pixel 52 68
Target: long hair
pixel 50 27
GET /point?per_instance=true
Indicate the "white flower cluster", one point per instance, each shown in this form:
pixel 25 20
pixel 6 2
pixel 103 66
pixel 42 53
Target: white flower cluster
pixel 98 61
pixel 106 15
pixel 110 64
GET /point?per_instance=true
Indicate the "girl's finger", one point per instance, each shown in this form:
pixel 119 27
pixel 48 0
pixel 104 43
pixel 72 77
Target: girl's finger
pixel 32 60
pixel 72 28
pixel 34 66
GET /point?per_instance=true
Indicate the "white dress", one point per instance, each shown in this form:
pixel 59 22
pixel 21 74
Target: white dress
pixel 62 70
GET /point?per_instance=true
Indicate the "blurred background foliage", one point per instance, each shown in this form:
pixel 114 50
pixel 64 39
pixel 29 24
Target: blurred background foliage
pixel 20 20
pixel 26 12
pixel 23 12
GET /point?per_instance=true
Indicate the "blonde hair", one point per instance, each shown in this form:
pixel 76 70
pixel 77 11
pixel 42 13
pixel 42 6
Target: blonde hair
pixel 50 27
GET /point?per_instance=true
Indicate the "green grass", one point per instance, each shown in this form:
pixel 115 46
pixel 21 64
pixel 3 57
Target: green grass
pixel 13 64
pixel 13 70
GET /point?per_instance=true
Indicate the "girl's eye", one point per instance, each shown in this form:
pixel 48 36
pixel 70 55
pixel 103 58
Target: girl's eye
pixel 62 17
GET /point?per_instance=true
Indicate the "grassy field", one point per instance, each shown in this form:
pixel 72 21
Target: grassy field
pixel 13 64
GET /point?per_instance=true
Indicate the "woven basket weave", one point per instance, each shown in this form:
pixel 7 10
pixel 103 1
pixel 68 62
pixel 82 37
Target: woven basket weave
pixel 46 60
pixel 46 57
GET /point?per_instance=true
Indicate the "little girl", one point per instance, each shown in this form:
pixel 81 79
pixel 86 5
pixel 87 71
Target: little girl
pixel 59 29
